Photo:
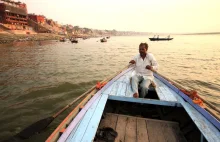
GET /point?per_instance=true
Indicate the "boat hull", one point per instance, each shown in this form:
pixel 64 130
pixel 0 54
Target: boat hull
pixel 103 40
pixel 74 41
pixel 162 103
pixel 160 39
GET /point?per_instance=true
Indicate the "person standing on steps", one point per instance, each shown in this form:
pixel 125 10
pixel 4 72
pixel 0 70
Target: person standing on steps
pixel 144 64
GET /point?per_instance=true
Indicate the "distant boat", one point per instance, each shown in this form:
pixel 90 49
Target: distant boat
pixel 103 40
pixel 62 39
pixel 108 37
pixel 158 39
pixel 73 40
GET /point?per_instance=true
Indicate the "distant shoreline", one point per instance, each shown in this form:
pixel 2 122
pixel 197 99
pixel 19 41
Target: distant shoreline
pixel 214 33
pixel 10 38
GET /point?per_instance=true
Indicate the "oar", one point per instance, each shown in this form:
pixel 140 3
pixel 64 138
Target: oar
pixel 43 123
pixel 184 88
pixel 40 125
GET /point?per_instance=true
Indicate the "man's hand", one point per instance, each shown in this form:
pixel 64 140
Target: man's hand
pixel 132 62
pixel 149 67
pixel 135 95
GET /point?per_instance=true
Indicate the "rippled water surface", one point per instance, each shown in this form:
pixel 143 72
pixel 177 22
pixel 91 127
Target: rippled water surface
pixel 37 79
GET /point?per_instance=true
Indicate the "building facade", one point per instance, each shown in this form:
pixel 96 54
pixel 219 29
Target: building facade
pixel 13 15
pixel 40 19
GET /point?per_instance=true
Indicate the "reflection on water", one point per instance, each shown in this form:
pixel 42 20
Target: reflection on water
pixel 39 78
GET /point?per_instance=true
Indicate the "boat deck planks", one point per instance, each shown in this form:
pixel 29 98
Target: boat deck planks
pixel 110 121
pixel 178 134
pixel 95 119
pixel 142 134
pixel 164 92
pixel 121 79
pixel 170 129
pixel 167 129
pixel 114 88
pixel 129 92
pixel 155 131
pixel 122 87
pixel 77 136
pixel 135 129
pixel 131 130
pixel 89 123
pixel 120 128
pixel 118 93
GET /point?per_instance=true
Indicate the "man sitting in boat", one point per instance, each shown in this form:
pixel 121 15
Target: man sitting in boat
pixel 144 64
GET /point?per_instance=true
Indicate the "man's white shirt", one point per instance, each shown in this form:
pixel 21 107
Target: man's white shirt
pixel 140 66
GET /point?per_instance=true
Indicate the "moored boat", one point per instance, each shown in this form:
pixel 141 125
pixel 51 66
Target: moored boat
pixel 166 114
pixel 73 40
pixel 62 39
pixel 160 39
pixel 103 40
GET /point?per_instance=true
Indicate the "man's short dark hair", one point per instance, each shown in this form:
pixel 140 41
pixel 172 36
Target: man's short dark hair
pixel 144 44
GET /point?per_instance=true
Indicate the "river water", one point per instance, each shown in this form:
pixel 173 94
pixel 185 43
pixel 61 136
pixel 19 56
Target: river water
pixel 39 78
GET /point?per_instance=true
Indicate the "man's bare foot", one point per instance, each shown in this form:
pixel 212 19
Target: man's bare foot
pixel 135 95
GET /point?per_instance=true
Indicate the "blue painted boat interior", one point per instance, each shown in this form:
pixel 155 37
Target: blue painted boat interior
pixel 120 91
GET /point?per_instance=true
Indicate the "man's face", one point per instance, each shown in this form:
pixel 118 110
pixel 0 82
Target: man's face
pixel 142 50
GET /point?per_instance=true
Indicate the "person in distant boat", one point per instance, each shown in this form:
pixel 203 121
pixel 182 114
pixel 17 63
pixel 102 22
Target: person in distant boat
pixel 157 36
pixel 144 64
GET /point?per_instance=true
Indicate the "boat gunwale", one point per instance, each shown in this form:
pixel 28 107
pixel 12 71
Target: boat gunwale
pixel 202 111
pixel 68 118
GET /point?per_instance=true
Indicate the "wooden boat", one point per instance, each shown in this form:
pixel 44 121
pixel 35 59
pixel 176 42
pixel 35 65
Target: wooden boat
pixel 73 40
pixel 159 39
pixel 167 114
pixel 103 40
pixel 62 39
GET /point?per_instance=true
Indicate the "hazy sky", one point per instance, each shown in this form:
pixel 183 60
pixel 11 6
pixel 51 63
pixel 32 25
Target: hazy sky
pixel 169 16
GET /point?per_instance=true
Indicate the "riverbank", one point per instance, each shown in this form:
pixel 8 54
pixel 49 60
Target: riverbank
pixel 10 38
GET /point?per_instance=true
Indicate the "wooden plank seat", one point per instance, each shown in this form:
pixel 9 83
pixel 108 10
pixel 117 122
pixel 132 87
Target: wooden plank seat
pixel 136 129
